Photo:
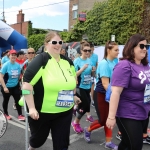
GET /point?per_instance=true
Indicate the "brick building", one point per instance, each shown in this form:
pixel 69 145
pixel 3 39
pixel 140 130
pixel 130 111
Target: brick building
pixel 21 26
pixel 76 6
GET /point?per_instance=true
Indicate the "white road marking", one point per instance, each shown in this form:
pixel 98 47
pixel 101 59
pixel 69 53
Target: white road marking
pixel 73 137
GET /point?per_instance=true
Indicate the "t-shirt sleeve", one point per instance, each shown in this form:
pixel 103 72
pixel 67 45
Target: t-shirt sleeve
pixel 34 70
pixel 103 69
pixel 3 60
pixel 121 74
pixel 76 64
pixel 3 69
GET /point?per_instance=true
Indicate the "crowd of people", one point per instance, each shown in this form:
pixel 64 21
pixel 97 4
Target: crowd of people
pixel 63 87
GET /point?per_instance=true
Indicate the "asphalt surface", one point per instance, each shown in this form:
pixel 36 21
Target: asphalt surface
pixel 14 138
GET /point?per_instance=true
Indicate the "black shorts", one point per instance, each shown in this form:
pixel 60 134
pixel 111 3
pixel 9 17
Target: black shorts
pixel 58 124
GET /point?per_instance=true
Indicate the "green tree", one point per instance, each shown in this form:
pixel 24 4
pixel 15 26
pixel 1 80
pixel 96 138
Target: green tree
pixel 36 41
pixel 121 18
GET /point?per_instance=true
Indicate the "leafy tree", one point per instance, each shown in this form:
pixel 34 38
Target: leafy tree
pixel 121 18
pixel 36 41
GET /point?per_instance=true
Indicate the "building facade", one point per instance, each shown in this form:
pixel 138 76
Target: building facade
pixel 21 26
pixel 76 6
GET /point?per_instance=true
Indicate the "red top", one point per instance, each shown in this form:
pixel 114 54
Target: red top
pixel 20 61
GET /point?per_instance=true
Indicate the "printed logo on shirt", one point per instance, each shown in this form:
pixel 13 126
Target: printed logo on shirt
pixel 71 74
pixel 87 79
pixel 142 77
pixel 14 73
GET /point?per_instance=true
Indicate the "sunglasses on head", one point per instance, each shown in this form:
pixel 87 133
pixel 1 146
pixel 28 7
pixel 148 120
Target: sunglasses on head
pixel 87 50
pixel 31 52
pixel 142 46
pixel 56 42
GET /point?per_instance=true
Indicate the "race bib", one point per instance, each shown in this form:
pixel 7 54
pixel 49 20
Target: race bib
pixel 147 93
pixel 65 99
pixel 14 74
pixel 87 79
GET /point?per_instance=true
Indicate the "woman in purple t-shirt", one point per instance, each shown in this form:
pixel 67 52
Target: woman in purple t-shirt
pixel 130 98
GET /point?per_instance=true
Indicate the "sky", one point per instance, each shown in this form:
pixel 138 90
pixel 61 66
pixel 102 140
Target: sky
pixel 53 16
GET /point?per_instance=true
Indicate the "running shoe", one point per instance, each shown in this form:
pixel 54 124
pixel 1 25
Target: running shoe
pixel 77 128
pixel 90 119
pixel 111 145
pixel 21 118
pixel 8 117
pixel 119 136
pixel 14 106
pixel 93 105
pixel 146 140
pixel 87 135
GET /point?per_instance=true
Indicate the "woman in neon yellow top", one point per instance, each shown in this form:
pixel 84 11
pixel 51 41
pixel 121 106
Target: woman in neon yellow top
pixel 50 108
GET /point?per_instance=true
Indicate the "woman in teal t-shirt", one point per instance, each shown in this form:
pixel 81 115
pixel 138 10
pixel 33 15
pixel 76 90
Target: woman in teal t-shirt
pixel 9 78
pixel 84 68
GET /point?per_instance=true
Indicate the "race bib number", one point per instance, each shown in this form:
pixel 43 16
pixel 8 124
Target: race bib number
pixel 147 93
pixel 14 74
pixel 65 99
pixel 87 79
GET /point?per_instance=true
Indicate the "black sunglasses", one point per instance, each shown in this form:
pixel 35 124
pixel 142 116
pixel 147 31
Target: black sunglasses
pixel 31 52
pixel 56 42
pixel 142 46
pixel 86 50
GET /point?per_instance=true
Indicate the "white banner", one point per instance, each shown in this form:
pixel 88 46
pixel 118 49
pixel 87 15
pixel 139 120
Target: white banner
pixel 5 30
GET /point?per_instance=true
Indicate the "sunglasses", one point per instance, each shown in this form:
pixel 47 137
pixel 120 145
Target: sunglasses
pixel 87 50
pixel 56 42
pixel 142 46
pixel 31 52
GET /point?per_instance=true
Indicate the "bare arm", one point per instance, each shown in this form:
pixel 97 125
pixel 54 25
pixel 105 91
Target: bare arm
pixel 30 100
pixel 113 105
pixel 3 83
pixel 82 69
pixel 105 82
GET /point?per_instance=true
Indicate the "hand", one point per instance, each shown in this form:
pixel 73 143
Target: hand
pixel 93 69
pixel 85 66
pixel 33 113
pixel 77 100
pixel 110 123
pixel 6 90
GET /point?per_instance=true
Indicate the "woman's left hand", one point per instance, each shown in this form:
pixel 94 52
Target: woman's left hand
pixel 77 100
pixel 110 123
pixel 93 69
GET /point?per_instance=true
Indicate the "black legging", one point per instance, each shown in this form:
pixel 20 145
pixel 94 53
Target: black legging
pixel 15 92
pixel 146 124
pixel 84 95
pixel 132 133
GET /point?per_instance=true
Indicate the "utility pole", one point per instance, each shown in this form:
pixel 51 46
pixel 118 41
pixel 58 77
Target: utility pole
pixel 3 12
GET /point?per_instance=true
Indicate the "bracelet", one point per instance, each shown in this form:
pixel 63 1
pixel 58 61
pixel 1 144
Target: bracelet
pixel 112 119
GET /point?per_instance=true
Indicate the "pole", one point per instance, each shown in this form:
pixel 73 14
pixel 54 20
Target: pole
pixel 3 12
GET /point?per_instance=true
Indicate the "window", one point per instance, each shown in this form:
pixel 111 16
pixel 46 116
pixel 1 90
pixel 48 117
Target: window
pixel 75 11
pixel 75 14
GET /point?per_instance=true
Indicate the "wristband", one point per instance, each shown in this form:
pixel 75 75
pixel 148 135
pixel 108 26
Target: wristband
pixel 112 118
pixel 27 92
pixel 74 95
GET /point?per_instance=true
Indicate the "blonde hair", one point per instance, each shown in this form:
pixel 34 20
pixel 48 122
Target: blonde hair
pixel 31 49
pixel 50 35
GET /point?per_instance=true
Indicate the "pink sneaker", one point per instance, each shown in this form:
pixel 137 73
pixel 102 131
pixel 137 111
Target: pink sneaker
pixel 8 117
pixel 77 128
pixel 21 118
pixel 90 119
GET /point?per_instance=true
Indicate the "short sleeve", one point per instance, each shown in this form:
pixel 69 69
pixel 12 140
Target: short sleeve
pixel 4 69
pixel 3 60
pixel 33 71
pixel 103 69
pixel 76 64
pixel 121 74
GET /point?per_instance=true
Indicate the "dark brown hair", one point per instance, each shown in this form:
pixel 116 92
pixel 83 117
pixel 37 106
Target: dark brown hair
pixel 109 45
pixel 83 44
pixel 128 51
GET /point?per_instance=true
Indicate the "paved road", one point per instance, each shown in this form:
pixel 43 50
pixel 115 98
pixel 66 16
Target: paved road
pixel 14 138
